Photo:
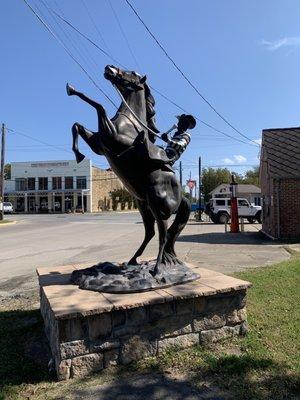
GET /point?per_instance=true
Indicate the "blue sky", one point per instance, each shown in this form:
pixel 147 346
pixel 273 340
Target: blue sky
pixel 243 56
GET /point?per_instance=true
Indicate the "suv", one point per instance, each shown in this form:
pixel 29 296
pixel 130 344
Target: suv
pixel 7 207
pixel 218 210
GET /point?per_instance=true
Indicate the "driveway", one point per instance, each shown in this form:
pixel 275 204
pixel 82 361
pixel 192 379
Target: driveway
pixel 52 240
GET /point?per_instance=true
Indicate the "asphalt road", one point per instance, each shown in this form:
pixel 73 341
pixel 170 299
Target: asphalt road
pixel 52 240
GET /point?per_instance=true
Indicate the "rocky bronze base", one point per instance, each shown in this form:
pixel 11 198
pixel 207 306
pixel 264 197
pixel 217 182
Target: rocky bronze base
pixel 110 277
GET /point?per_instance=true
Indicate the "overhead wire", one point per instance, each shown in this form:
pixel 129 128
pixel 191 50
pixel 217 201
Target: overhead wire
pixel 94 24
pixel 123 34
pixel 69 53
pixel 184 75
pixel 154 89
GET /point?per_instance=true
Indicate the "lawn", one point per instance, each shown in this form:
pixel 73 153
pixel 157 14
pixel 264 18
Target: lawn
pixel 263 365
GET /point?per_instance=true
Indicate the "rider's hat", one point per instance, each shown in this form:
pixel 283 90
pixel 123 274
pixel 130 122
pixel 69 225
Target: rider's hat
pixel 187 119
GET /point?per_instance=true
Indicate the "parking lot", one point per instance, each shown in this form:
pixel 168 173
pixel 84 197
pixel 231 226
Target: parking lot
pixel 52 240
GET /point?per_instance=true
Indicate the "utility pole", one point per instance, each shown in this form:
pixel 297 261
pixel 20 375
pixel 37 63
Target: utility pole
pixel 200 188
pixel 180 172
pixel 2 173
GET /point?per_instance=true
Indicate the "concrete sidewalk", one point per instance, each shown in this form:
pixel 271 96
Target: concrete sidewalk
pixel 53 240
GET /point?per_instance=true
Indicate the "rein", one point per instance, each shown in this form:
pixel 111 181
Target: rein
pixel 137 118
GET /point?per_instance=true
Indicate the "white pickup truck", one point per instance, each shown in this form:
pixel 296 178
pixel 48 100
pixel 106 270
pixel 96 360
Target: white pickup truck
pixel 218 210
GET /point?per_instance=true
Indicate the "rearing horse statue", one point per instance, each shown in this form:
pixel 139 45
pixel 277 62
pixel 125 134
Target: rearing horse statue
pixel 126 144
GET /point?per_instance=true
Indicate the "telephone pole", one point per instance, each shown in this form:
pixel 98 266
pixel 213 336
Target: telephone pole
pixel 2 173
pixel 200 188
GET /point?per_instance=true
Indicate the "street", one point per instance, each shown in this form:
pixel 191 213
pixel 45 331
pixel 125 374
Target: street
pixel 52 240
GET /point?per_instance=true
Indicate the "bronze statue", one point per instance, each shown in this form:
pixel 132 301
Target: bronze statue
pixel 127 141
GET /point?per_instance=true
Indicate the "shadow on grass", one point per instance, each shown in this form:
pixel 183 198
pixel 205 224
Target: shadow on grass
pixel 212 378
pixel 24 351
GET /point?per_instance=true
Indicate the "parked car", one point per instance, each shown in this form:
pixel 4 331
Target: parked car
pixel 218 210
pixel 7 207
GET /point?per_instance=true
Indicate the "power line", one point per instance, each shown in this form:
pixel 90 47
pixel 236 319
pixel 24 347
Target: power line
pixel 94 24
pixel 183 74
pixel 124 34
pixel 69 53
pixel 38 140
pixel 154 89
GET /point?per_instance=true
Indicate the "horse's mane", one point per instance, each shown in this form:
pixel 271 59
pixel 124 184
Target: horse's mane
pixel 150 112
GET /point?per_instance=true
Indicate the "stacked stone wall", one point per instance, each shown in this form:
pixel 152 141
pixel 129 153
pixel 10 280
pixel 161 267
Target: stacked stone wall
pixel 85 344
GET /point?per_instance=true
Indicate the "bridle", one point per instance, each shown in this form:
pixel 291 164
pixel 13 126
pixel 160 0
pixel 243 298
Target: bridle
pixel 137 118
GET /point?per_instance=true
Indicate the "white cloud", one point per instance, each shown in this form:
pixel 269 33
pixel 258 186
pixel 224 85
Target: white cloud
pixel 292 41
pixel 237 159
pixel 240 159
pixel 227 161
pixel 258 141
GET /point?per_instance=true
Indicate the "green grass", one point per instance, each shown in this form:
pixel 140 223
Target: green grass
pixel 263 365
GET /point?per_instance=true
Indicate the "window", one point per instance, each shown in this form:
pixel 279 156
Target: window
pixel 257 201
pixel 81 182
pixel 43 183
pixel 56 182
pixel 220 202
pixel 243 203
pixel 20 184
pixel 69 182
pixel 31 183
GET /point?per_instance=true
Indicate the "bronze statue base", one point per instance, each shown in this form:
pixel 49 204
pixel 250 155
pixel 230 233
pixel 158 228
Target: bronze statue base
pixel 110 277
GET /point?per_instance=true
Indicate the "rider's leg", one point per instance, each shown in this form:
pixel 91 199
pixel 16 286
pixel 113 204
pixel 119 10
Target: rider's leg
pixel 149 222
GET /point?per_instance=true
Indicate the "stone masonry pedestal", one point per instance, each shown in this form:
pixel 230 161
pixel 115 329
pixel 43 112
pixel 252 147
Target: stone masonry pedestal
pixel 89 331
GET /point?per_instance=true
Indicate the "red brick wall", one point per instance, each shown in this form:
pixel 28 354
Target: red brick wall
pixel 289 207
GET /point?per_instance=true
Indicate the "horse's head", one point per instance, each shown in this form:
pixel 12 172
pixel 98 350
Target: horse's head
pixel 126 81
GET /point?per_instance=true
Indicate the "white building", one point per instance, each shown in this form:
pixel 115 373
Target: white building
pixel 58 186
pixel 251 192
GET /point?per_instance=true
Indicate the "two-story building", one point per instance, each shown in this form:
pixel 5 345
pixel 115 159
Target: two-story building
pixel 59 186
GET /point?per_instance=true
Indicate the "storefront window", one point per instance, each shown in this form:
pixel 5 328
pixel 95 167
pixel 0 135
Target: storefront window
pixel 56 182
pixel 31 183
pixel 20 184
pixel 69 182
pixel 81 182
pixel 43 183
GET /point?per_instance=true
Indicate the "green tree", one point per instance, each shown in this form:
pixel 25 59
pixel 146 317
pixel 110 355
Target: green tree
pixel 212 177
pixel 251 176
pixel 7 171
pixel 122 196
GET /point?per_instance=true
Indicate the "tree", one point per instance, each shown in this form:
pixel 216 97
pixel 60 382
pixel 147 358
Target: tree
pixel 251 176
pixel 122 196
pixel 212 177
pixel 7 171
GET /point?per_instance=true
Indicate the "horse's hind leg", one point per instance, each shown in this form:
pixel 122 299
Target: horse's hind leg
pixel 149 222
pixel 162 230
pixel 181 219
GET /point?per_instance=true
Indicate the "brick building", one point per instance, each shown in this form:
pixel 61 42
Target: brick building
pixel 280 182
pixel 59 186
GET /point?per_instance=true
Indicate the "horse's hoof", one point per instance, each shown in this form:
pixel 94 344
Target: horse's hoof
pixel 133 261
pixel 79 157
pixel 70 90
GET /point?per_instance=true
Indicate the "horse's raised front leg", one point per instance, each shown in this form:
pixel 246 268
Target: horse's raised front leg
pixel 73 92
pixel 149 222
pixel 91 138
